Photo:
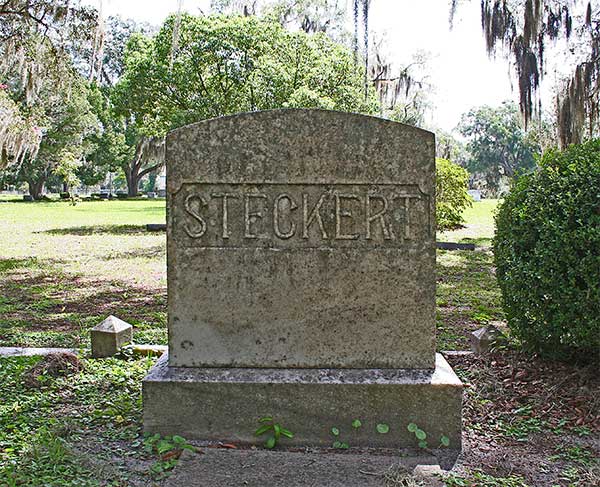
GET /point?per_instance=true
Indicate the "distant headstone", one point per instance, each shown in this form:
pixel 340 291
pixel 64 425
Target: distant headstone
pixel 156 227
pixel 161 193
pixel 27 197
pixel 109 336
pixel 301 281
pixel 475 194
pixel 455 246
pixel 151 194
pixel 483 339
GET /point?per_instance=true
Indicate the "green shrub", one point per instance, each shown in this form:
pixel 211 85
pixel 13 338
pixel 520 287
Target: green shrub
pixel 451 183
pixel 547 252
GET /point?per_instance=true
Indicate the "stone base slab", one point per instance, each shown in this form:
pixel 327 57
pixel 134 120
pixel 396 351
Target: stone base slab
pixel 224 404
pixel 260 468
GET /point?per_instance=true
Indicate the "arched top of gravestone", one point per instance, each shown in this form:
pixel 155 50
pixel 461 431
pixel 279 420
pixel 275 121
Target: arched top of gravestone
pixel 300 146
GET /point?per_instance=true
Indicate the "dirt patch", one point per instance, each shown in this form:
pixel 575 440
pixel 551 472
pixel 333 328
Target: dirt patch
pixel 52 365
pixel 531 419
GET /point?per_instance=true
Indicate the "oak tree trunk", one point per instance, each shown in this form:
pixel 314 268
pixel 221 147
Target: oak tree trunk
pixel 36 188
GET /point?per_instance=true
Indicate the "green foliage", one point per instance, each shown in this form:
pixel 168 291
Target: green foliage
pixel 110 144
pixel 480 479
pixel 344 445
pixel 340 445
pixel 420 435
pixel 547 254
pixel 168 449
pixel 224 65
pixel 451 184
pixel 40 427
pixel 274 429
pixel 383 428
pixel 67 119
pixel 497 142
pixel 574 453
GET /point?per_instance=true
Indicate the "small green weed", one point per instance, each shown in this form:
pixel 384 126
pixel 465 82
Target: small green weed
pixel 520 424
pixel 577 454
pixel 344 445
pixel 274 429
pixel 480 479
pixel 168 448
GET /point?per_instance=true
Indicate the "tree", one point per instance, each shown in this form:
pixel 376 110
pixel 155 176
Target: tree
pixel 69 119
pixel 451 197
pixel 19 134
pixel 497 142
pixel 449 147
pixel 403 93
pixel 524 28
pixel 225 65
pixel 115 143
pixel 326 16
pixel 34 35
pixel 105 64
pixel 109 144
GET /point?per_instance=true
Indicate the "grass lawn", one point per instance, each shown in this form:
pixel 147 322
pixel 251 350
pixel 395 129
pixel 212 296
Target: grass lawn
pixel 64 268
pixel 527 423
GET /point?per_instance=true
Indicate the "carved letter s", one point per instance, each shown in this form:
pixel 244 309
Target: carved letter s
pixel 195 215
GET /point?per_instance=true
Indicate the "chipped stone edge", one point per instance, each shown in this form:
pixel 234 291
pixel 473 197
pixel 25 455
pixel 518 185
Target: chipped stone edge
pixel 441 375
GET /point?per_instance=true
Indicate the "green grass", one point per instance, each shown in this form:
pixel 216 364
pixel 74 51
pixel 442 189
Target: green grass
pixel 71 430
pixel 468 296
pixel 479 227
pixel 64 268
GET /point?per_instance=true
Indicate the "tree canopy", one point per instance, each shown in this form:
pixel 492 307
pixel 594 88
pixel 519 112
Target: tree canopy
pixel 223 65
pixel 35 36
pixel 68 122
pixel 233 64
pixel 497 142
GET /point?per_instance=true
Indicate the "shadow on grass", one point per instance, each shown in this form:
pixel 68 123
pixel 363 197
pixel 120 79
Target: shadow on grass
pixel 99 230
pixel 480 242
pixel 11 264
pixel 42 298
pixel 140 253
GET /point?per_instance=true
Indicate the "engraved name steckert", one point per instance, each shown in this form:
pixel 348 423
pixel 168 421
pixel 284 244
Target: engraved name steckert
pixel 299 215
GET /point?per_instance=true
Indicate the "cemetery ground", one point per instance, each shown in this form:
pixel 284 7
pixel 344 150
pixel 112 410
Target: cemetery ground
pixel 64 268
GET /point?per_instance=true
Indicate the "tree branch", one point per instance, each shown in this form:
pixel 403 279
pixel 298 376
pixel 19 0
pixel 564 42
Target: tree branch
pixel 141 174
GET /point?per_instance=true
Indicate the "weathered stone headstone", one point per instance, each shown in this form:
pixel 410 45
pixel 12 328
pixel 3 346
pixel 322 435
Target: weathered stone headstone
pixel 301 281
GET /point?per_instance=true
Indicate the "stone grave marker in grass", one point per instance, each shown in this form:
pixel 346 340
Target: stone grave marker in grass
pixel 301 283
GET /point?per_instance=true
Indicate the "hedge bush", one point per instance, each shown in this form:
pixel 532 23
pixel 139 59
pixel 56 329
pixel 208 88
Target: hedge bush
pixel 452 183
pixel 547 253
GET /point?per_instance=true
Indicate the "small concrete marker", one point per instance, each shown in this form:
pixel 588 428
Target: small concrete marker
pixel 431 473
pixel 485 338
pixel 109 336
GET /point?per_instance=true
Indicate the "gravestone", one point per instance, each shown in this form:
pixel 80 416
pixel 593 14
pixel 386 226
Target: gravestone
pixel 301 282
pixel 475 194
